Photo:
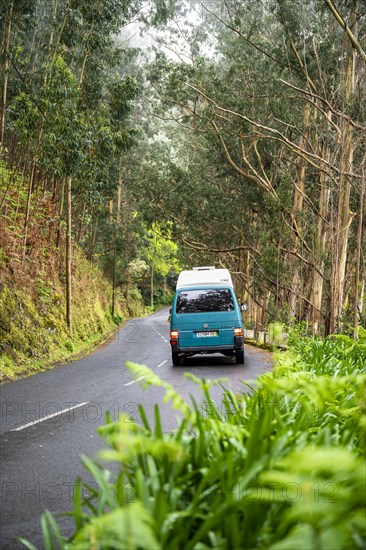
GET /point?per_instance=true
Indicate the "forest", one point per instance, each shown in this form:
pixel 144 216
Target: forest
pixel 139 138
pixel 226 132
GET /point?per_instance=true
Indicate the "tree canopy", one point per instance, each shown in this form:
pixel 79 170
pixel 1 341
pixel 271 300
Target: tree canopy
pixel 237 137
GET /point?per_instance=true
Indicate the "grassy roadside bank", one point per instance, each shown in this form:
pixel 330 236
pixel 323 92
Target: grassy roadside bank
pixel 33 330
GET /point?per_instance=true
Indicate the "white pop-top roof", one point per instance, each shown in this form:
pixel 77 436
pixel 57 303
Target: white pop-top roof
pixel 205 275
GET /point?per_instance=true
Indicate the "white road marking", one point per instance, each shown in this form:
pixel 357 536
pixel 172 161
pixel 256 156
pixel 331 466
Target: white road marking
pixel 134 381
pixel 161 336
pixel 161 364
pixel 48 416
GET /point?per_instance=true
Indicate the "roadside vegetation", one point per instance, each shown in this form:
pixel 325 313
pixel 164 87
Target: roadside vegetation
pixel 280 465
pixel 34 333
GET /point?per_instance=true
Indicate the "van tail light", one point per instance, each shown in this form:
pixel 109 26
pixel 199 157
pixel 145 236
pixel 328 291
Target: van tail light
pixel 174 334
pixel 238 331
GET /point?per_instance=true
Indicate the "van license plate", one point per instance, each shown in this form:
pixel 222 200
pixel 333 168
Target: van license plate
pixel 207 333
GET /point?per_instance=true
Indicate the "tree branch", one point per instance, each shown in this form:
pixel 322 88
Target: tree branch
pixel 340 20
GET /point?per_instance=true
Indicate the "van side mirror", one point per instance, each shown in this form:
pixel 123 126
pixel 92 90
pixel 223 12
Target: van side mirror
pixel 170 311
pixel 243 307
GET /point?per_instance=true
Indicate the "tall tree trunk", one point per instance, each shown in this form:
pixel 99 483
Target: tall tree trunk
pixel 114 277
pixel 61 208
pixel 357 302
pixel 126 240
pixel 118 223
pixel 81 222
pixel 344 217
pixel 111 208
pixel 20 185
pixel 59 35
pixel 53 26
pixel 6 72
pixel 320 247
pixel 152 285
pixel 83 67
pixel 53 52
pixel 119 200
pixel 265 308
pixel 92 240
pixel 68 255
pixel 297 208
pixel 247 285
pixel 362 293
pixel 30 190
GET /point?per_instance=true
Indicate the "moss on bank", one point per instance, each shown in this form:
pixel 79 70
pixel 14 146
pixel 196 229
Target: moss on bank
pixel 33 330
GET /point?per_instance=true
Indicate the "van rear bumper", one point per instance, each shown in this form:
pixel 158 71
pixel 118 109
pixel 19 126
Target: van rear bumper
pixel 238 344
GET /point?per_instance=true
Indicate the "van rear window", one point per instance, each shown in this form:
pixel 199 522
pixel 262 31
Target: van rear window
pixel 203 301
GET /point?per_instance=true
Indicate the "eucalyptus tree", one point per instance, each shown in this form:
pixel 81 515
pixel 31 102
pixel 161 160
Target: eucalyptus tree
pixel 15 18
pixel 62 151
pixel 195 112
pixel 280 116
pixel 69 97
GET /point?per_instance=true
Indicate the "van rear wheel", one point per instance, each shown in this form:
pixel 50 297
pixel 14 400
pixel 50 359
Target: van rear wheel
pixel 239 356
pixel 175 359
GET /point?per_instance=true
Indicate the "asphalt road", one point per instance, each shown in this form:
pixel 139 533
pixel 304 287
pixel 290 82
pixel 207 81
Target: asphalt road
pixel 49 419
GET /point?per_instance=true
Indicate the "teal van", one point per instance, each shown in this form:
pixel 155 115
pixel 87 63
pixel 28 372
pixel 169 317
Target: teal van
pixel 205 316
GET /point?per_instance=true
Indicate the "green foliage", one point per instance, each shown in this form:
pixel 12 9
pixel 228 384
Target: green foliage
pixel 297 331
pixel 335 355
pixel 161 251
pixel 33 330
pixel 72 85
pixel 276 333
pixel 69 346
pixel 2 258
pixel 281 468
